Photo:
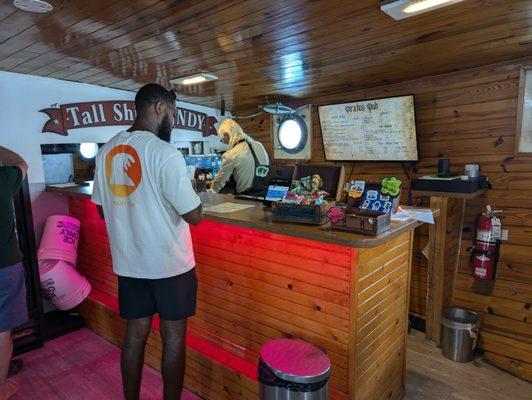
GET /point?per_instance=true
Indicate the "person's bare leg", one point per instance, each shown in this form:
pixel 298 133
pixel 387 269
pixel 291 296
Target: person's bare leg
pixel 132 357
pixel 173 362
pixel 7 389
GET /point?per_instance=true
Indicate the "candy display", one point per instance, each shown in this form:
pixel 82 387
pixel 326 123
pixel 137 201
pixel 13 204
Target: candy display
pixel 315 189
pixel 306 191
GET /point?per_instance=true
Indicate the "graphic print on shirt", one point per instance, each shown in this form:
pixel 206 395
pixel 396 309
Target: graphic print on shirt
pixel 123 171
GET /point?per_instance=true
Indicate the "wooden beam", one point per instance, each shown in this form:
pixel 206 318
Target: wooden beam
pixel 445 238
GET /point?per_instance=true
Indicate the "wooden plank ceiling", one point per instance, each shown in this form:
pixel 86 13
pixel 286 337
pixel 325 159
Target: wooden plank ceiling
pixel 277 48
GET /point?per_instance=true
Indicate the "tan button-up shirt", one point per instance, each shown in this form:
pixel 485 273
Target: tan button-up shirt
pixel 239 162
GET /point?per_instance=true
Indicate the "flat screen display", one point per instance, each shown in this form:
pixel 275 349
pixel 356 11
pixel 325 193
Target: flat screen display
pixel 276 193
pixel 370 130
pixel 212 162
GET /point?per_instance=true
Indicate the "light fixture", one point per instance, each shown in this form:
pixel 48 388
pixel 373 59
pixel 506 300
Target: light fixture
pixel 88 150
pixel 194 79
pixel 292 133
pixel 401 9
pixel 277 109
pixel 36 6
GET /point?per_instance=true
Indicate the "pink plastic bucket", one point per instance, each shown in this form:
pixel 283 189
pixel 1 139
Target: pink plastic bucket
pixel 62 284
pixel 60 239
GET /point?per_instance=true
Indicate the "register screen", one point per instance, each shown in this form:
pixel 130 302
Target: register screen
pixel 276 193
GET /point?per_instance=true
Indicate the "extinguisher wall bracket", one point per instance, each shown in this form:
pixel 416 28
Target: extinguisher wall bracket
pixel 473 251
pixel 496 262
pixel 470 250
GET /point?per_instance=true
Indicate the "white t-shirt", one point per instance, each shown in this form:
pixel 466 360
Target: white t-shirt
pixel 142 184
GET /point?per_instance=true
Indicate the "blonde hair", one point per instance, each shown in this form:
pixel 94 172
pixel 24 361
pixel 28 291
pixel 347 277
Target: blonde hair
pixel 230 127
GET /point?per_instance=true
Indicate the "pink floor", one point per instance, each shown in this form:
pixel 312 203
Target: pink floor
pixel 80 366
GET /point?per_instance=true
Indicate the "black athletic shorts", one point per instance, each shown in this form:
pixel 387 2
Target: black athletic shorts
pixel 172 298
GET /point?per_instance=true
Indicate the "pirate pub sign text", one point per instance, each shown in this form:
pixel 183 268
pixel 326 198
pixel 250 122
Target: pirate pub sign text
pixel 117 112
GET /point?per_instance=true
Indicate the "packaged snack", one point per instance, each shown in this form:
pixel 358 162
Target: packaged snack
pixel 317 182
pixel 306 182
pixel 356 189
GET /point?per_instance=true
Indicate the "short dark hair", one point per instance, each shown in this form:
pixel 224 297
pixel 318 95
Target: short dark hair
pixel 150 94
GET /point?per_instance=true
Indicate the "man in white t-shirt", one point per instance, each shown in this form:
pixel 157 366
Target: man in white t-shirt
pixel 142 188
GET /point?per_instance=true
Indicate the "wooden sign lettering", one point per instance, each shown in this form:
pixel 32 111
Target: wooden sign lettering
pixel 117 112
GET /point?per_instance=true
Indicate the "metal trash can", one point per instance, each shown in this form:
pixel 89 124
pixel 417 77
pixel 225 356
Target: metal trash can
pixel 292 369
pixel 459 334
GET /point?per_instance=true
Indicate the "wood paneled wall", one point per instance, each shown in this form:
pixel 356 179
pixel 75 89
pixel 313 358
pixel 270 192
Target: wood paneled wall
pixel 467 116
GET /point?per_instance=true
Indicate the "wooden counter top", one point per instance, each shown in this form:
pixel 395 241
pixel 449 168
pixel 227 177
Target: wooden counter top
pixel 257 217
pixel 75 191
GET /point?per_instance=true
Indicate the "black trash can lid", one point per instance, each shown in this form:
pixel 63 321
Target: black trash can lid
pixel 296 361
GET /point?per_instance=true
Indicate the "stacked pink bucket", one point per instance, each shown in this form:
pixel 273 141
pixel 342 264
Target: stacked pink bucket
pixel 57 255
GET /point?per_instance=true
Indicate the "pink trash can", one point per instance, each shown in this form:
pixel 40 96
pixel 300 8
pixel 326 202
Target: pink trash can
pixel 62 284
pixel 60 239
pixel 291 369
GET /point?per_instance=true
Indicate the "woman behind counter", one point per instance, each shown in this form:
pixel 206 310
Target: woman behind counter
pixel 242 164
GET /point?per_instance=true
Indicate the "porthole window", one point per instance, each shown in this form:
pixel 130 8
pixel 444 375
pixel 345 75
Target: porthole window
pixel 292 134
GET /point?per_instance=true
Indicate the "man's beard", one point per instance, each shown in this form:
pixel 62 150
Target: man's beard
pixel 165 130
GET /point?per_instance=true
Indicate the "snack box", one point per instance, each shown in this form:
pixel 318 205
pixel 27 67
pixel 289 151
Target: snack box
pixel 358 220
pixel 303 214
pixel 333 177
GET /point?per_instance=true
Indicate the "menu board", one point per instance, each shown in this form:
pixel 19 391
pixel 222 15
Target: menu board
pixel 371 130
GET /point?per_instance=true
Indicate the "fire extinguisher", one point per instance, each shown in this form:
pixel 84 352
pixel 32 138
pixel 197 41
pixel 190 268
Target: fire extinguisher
pixel 485 249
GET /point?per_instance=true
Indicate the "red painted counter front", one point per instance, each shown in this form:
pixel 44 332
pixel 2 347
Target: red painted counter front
pixel 255 286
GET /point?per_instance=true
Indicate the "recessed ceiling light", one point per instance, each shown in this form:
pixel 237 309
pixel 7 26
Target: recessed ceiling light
pixel 36 6
pixel 194 79
pixel 401 9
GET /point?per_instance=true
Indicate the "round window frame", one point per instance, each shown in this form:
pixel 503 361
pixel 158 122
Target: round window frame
pixel 304 133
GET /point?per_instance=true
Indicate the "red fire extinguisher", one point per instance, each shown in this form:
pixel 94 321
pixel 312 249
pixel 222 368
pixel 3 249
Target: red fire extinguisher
pixel 485 249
